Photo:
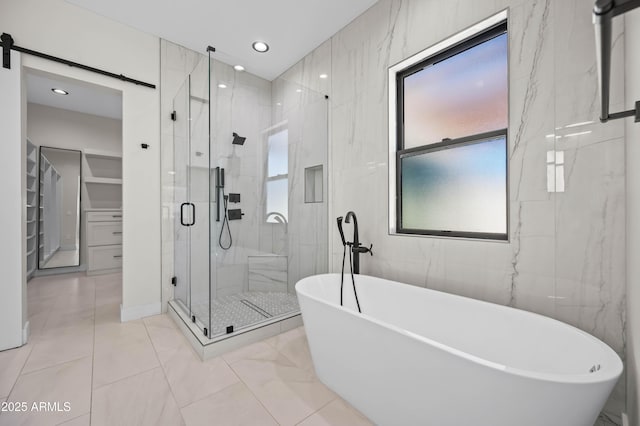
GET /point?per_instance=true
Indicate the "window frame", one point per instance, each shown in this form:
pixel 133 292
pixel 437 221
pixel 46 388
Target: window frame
pixel 440 146
pixel 465 40
pixel 278 128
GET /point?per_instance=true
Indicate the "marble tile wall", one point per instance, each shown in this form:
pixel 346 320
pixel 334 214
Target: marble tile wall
pixel 244 107
pixel 268 273
pixel 304 111
pixel 565 257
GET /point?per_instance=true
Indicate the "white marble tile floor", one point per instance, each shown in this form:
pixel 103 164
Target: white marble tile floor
pixel 145 373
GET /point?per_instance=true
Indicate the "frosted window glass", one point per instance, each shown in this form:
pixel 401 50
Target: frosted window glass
pixel 277 199
pixel 463 95
pixel 278 156
pixel 460 188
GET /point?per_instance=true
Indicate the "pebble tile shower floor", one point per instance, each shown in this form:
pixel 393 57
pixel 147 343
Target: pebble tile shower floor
pixel 144 372
pixel 244 309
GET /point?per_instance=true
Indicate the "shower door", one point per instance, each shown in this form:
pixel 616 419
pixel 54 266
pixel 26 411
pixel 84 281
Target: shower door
pixel 191 196
pixel 182 246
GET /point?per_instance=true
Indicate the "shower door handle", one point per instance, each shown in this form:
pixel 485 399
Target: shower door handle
pixel 182 222
pixel 193 214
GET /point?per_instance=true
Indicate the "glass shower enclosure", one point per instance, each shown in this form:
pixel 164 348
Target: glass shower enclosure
pixel 248 198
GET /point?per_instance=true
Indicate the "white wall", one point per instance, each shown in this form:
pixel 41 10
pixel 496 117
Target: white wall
pixel 13 214
pixel 60 29
pixel 61 128
pixel 566 254
pixel 632 94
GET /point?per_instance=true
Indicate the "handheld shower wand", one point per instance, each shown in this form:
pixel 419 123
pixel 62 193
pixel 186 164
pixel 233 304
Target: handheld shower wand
pixel 344 255
pixel 225 218
pixel 344 243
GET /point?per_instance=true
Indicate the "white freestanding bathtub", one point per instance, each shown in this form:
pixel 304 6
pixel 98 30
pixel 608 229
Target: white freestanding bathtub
pixel 422 357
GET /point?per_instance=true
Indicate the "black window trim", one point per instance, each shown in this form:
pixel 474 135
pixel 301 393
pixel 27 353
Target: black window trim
pixel 450 144
pixel 479 38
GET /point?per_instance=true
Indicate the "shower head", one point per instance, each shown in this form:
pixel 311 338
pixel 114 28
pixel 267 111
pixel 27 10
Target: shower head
pixel 238 140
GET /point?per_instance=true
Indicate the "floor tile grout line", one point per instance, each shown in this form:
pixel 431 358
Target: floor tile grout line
pixel 93 352
pixel 253 393
pixel 188 345
pixel 49 313
pixel 164 373
pixel 20 373
pixel 323 406
pixel 139 321
pixel 42 329
pixel 275 347
pixel 75 418
pixel 123 378
pixel 294 362
pixel 211 394
pixel 27 373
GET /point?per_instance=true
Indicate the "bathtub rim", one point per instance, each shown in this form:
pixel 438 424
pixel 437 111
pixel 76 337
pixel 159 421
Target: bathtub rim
pixel 605 374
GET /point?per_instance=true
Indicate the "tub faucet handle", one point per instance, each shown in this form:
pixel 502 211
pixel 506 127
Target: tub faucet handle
pixel 362 249
pixel 370 249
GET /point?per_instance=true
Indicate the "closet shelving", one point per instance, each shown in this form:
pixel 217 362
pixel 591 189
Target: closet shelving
pixel 32 204
pixel 103 179
pixel 103 211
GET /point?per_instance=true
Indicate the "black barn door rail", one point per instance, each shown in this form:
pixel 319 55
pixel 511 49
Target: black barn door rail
pixel 8 45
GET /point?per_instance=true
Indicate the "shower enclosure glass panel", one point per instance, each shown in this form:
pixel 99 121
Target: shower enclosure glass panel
pixel 191 191
pixel 180 172
pixel 199 166
pixel 278 238
pixel 239 246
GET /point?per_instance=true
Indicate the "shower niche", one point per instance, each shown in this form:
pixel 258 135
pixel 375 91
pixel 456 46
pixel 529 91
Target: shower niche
pixel 313 184
pixel 239 231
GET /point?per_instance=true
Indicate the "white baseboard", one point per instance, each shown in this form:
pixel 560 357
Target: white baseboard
pixel 136 312
pixel 625 419
pixel 25 333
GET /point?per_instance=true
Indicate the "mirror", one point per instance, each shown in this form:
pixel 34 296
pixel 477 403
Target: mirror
pixel 59 208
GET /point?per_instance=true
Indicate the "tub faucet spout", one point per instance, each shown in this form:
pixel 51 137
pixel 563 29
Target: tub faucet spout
pixel 356 247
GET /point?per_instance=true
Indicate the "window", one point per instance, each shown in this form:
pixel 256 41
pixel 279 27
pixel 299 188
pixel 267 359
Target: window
pixel 449 137
pixel 277 186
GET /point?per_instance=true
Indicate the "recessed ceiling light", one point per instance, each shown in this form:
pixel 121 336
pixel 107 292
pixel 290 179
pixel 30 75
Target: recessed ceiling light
pixel 299 90
pixel 59 91
pixel 260 46
pixel 238 68
pixel 279 103
pixel 222 86
pixel 324 76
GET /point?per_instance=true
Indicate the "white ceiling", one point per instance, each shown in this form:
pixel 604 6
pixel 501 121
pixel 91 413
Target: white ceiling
pixel 292 28
pixel 83 97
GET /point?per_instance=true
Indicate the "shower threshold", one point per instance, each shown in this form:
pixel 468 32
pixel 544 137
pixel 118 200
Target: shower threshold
pixel 254 316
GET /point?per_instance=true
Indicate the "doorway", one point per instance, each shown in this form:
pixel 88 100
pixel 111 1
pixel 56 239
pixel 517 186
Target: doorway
pixel 74 176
